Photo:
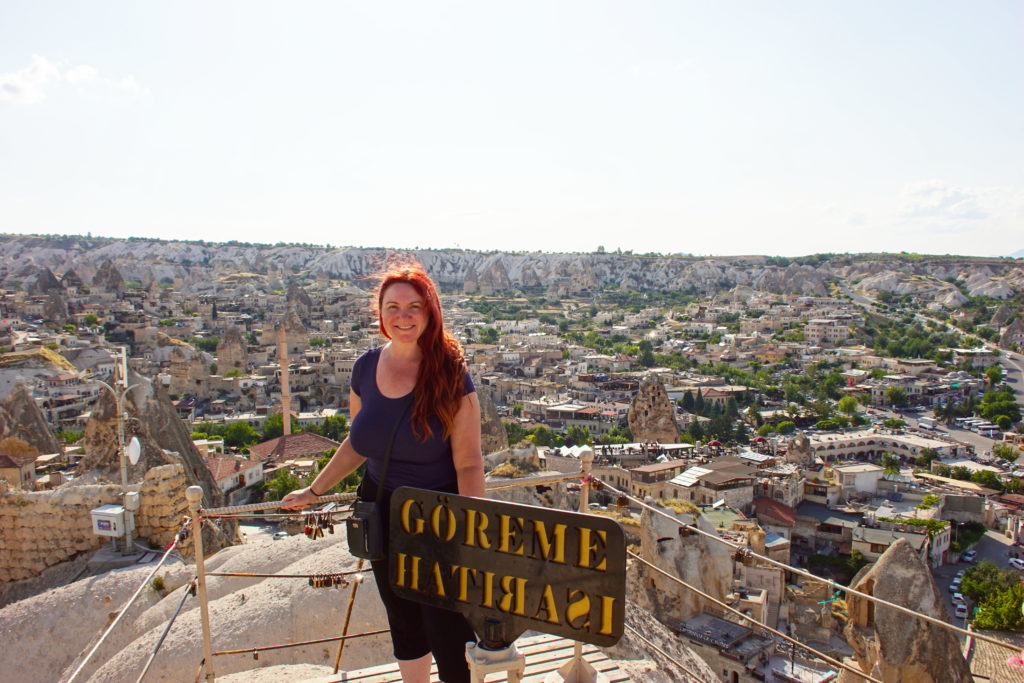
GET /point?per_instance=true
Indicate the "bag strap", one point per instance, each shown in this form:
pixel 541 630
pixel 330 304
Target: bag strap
pixel 387 451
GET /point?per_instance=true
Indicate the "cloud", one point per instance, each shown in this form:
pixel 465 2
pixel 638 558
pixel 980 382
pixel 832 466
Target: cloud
pixel 935 199
pixel 29 84
pixel 26 85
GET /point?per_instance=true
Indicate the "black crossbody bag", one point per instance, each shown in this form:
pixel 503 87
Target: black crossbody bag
pixel 365 527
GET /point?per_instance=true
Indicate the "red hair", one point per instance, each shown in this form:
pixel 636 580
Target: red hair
pixel 440 379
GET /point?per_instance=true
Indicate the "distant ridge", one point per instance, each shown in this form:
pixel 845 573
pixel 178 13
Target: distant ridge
pixel 1017 254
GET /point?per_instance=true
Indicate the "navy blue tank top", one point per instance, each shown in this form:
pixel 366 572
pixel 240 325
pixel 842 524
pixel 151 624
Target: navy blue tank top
pixel 423 464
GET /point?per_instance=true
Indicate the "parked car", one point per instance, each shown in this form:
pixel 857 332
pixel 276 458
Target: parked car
pixel 961 611
pixel 969 555
pixel 958 597
pixel 1017 563
pixel 955 586
pixel 960 574
pixel 281 534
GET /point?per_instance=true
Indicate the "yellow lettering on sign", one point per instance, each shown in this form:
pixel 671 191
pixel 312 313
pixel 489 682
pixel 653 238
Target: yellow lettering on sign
pixel 435 523
pixel 544 543
pixel 514 598
pixel 547 604
pixel 607 604
pixel 488 600
pixel 589 548
pixel 412 525
pixel 438 580
pixel 462 574
pixel 510 531
pixel 578 609
pixel 412 572
pixel 476 525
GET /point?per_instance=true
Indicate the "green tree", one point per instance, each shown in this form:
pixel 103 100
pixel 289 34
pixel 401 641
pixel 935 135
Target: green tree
pixel 333 427
pixel 890 463
pixel 646 354
pixel 1006 451
pixel 90 319
pixel 240 435
pixel 961 472
pixel 925 458
pixel 514 431
pixel 895 396
pixel 941 469
pixel 848 405
pixel 698 403
pixel 787 427
pixel 274 427
pixel 988 479
pixel 993 375
pixel 578 436
pixel 687 402
pixel 1002 610
pixel 544 436
pixel 280 486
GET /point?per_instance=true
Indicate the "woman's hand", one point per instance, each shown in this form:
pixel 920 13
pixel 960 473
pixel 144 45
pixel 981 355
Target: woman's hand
pixel 299 499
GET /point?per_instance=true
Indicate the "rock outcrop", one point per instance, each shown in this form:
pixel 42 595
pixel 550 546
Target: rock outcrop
pixel 493 436
pixel 197 268
pixel 700 562
pixel 893 646
pixel 151 418
pixel 651 415
pixel 20 417
pixel 231 352
pixel 108 278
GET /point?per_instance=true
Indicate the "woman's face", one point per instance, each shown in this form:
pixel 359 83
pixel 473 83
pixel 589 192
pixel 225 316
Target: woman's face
pixel 403 312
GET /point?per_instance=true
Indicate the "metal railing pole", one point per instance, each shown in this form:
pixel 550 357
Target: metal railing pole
pixel 348 615
pixel 194 495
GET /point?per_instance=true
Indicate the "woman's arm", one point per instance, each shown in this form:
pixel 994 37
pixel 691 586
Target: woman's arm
pixel 344 462
pixel 466 455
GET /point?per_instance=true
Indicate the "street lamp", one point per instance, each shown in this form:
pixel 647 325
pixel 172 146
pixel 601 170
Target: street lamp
pixel 124 454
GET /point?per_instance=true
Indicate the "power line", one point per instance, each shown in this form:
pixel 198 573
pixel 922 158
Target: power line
pixel 663 653
pixel 766 627
pixel 800 572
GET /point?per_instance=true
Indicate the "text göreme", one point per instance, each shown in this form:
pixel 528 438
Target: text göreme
pixel 578 547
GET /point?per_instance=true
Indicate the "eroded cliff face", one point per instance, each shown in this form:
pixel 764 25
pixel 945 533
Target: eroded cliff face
pixel 202 268
pixel 20 417
pixel 699 561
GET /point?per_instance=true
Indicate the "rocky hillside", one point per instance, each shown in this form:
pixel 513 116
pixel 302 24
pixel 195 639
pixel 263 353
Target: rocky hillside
pixel 35 263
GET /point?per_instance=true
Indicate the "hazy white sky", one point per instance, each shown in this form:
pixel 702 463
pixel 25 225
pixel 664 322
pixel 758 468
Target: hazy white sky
pixel 671 126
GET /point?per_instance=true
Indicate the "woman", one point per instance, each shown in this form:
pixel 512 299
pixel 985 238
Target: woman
pixel 437 447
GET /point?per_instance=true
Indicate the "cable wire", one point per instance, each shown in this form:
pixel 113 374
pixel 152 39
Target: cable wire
pixel 265 648
pixel 167 629
pixel 663 653
pixel 124 610
pixel 808 575
pixel 729 608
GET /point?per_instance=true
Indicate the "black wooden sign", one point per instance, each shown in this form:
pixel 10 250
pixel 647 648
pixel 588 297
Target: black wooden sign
pixel 528 567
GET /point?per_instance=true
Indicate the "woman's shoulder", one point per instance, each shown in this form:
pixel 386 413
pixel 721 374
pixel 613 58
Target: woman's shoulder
pixel 364 365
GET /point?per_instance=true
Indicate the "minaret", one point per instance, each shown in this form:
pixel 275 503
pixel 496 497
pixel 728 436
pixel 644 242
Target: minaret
pixel 286 396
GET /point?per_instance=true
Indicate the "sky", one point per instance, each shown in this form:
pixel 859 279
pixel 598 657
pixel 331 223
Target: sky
pixel 705 128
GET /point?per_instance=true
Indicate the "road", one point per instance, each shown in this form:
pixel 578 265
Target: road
pixel 992 547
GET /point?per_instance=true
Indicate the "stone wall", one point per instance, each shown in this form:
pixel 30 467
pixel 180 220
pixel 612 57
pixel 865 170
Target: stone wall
pixel 40 529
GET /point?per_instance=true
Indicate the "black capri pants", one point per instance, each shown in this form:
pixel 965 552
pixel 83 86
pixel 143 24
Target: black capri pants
pixel 418 629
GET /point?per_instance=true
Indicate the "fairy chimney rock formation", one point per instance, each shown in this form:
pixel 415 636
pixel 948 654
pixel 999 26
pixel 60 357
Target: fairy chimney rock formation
pixel 20 417
pixel 651 414
pixel 231 351
pixel 493 437
pixel 893 646
pixel 108 278
pixel 798 450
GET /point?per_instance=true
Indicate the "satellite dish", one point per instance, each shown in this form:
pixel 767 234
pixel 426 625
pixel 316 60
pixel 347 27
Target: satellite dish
pixel 133 450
